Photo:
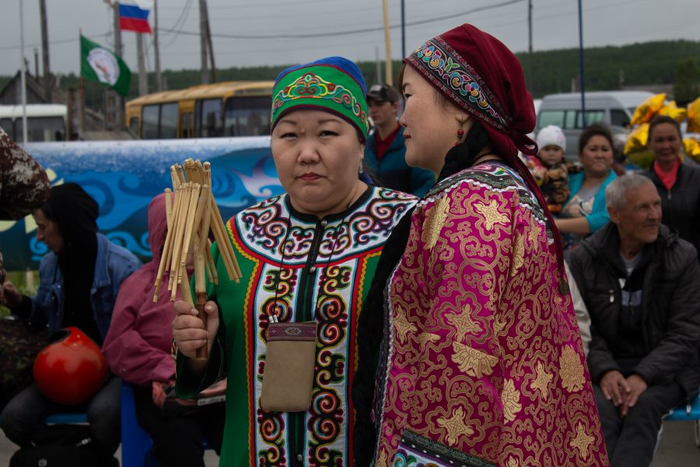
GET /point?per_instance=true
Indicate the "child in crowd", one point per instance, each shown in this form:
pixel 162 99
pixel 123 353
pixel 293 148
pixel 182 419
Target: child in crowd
pixel 548 167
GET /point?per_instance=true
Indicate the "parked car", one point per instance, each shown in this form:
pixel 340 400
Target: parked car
pixel 614 108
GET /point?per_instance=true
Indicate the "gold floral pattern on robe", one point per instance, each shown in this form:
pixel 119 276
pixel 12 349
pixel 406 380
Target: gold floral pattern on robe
pixel 582 441
pixel 507 362
pixel 434 221
pixel 542 380
pixel 455 425
pixel 471 361
pixel 571 369
pixel 510 397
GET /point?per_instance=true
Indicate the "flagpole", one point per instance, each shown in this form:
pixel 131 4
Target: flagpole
pixel 156 46
pixel 23 78
pixel 389 78
pixel 81 95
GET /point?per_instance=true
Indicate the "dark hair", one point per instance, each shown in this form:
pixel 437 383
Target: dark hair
pixel 48 212
pixel 596 129
pixel 661 119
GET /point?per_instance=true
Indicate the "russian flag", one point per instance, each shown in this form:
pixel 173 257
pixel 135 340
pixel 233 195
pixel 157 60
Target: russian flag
pixel 133 18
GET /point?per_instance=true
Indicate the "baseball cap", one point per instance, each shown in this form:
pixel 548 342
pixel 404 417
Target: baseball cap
pixel 383 93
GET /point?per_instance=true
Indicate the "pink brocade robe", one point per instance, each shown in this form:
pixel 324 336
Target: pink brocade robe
pixel 483 362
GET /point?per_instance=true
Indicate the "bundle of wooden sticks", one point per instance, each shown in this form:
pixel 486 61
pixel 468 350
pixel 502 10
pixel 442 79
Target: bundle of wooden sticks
pixel 191 216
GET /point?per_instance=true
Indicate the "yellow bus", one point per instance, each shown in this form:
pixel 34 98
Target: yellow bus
pixel 231 108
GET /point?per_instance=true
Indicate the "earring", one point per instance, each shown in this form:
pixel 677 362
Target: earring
pixel 362 169
pixel 460 135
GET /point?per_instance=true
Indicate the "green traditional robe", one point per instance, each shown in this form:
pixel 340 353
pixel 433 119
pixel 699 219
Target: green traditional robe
pixel 301 268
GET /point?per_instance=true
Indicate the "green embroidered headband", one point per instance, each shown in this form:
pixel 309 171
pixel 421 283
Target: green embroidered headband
pixel 332 84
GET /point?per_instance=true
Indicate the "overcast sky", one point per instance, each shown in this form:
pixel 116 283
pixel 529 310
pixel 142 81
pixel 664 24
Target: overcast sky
pixel 606 22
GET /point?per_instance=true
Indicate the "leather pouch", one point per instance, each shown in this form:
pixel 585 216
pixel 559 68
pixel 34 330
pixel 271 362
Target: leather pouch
pixel 289 367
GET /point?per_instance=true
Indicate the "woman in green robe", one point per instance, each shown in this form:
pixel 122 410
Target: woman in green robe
pixel 308 255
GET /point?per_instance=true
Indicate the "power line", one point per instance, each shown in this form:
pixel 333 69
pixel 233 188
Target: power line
pixel 61 41
pixel 352 31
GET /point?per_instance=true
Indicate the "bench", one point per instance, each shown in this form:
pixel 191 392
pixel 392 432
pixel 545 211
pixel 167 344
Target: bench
pixel 688 412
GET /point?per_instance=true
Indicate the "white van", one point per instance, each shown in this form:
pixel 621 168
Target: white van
pixel 613 108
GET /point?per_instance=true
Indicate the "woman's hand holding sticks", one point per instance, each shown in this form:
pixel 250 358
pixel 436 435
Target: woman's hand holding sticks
pixel 192 215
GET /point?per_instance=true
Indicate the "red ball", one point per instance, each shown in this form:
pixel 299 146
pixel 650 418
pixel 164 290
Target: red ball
pixel 70 370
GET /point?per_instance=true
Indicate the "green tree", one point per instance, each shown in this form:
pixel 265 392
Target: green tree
pixel 686 87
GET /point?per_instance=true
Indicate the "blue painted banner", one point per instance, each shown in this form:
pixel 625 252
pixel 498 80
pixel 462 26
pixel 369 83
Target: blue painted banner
pixel 123 176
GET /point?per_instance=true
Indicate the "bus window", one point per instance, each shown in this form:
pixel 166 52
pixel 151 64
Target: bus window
pixel 168 120
pixel 619 117
pixel 551 117
pixel 592 116
pixel 149 121
pixel 247 116
pixel 134 125
pixel 40 129
pixel 186 125
pixel 6 125
pixel 569 120
pixel 208 118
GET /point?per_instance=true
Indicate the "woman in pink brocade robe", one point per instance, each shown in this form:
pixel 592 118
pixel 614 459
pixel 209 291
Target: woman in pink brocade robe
pixel 479 354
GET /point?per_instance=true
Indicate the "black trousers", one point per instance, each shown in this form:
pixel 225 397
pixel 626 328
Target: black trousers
pixel 631 441
pixel 178 440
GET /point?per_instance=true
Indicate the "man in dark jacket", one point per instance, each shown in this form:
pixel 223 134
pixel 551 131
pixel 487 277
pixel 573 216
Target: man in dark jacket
pixel 385 153
pixel 640 284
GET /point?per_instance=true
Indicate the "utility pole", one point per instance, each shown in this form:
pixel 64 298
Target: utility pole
pixel 379 68
pixel 143 79
pixel 159 79
pixel 529 29
pixel 118 100
pixel 387 43
pixel 48 85
pixel 203 39
pixel 23 78
pixel 580 52
pixel 209 43
pixel 403 29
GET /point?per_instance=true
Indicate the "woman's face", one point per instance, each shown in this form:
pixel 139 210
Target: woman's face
pixel 317 156
pixel 47 231
pixel 430 128
pixel 597 156
pixel 665 142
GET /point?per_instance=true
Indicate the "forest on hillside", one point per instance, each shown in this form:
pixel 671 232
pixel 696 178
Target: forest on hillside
pixel 607 68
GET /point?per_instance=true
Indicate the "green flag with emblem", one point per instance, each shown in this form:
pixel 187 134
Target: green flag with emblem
pixel 101 65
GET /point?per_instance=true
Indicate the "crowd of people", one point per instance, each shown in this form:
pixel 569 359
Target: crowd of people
pixel 432 288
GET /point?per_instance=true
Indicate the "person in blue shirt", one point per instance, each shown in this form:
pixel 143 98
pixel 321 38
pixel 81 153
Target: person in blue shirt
pixel 385 151
pixel 79 281
pixel 585 211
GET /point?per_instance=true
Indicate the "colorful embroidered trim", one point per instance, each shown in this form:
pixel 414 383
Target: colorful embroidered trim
pixel 448 70
pixel 312 90
pixel 417 450
pixel 291 331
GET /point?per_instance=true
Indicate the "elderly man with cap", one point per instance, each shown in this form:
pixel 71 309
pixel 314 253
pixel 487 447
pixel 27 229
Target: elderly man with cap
pixel 639 280
pixel 79 280
pixel 470 352
pixel 385 151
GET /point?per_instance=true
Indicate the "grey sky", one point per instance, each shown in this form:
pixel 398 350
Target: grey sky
pixel 606 22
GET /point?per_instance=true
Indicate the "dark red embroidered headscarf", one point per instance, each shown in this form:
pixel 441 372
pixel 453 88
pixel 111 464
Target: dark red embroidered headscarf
pixel 478 73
